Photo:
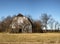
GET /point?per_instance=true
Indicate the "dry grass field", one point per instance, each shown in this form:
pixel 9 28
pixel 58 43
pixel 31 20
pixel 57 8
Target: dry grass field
pixel 30 38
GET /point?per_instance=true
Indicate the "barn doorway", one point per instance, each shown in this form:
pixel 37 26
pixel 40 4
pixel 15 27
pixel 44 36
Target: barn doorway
pixel 20 30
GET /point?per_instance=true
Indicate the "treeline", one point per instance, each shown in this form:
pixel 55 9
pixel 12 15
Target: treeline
pixel 40 25
pixel 45 23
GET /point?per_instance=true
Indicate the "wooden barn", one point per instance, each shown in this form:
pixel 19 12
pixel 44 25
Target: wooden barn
pixel 20 24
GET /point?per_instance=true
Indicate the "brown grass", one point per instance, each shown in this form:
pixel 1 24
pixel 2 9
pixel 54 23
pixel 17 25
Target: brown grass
pixel 30 38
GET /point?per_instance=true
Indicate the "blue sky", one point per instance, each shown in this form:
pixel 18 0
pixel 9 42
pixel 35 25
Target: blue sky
pixel 32 7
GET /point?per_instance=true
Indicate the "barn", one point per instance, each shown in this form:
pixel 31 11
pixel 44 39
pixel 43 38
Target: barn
pixel 20 24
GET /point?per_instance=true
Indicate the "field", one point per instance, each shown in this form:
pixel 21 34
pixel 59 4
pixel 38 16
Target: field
pixel 30 38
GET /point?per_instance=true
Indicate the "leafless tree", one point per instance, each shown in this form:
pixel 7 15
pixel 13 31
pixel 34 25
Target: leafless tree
pixel 5 23
pixel 51 23
pixel 56 25
pixel 37 26
pixel 44 19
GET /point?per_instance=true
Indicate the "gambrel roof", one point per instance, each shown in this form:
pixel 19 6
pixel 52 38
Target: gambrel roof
pixel 21 22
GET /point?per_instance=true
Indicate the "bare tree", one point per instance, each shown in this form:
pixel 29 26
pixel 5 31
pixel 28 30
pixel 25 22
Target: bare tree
pixel 59 27
pixel 56 25
pixel 51 23
pixel 37 26
pixel 5 23
pixel 44 19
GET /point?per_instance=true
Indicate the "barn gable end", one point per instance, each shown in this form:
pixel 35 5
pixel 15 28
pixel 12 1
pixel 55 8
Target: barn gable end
pixel 21 24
